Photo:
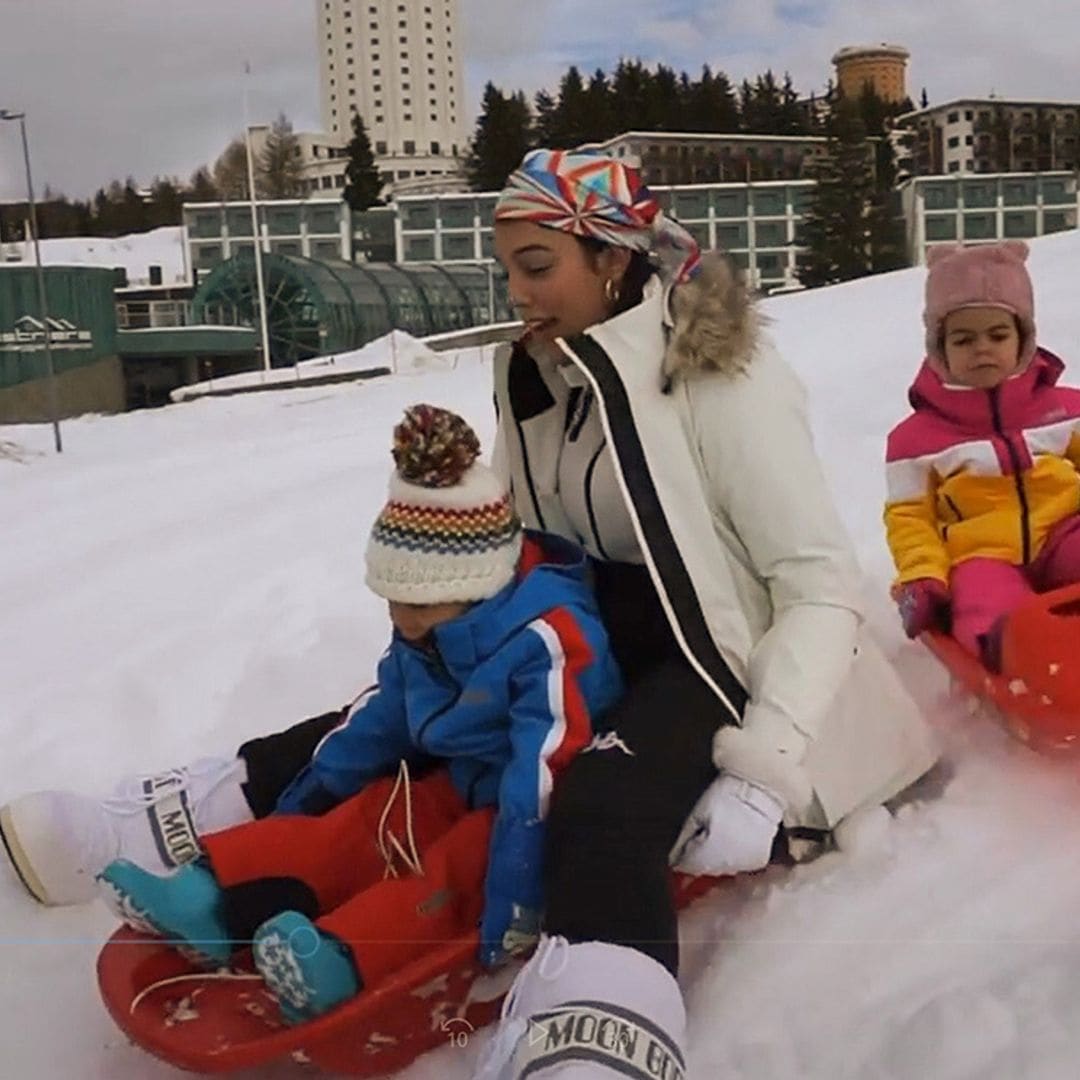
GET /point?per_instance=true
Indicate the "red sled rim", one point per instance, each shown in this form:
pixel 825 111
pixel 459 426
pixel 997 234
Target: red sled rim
pixel 209 1024
pixel 1029 717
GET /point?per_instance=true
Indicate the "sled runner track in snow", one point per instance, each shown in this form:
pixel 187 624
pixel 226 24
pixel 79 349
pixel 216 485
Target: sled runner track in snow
pixel 214 1023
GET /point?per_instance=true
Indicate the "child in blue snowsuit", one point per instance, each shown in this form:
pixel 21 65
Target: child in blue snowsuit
pixel 498 669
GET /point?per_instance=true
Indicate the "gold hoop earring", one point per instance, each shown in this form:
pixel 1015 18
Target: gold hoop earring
pixel 611 291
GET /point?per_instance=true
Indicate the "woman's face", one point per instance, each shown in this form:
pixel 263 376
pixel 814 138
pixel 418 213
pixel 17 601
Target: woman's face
pixel 556 285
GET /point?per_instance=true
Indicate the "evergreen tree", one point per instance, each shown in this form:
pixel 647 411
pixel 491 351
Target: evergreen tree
pixel 362 183
pixel 888 236
pixel 888 241
pixel 791 116
pixel 601 121
pixel 279 165
pixel 134 215
pixel 201 187
pixel 108 210
pixel 665 103
pixel 762 107
pixel 711 104
pixel 56 214
pixel 166 202
pixel 630 95
pixel 544 124
pixel 836 229
pixel 502 136
pixel 570 121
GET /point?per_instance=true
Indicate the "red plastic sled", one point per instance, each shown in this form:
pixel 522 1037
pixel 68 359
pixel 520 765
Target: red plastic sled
pixel 1038 694
pixel 218 1025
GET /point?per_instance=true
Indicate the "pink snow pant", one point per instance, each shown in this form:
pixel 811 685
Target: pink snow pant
pixel 983 590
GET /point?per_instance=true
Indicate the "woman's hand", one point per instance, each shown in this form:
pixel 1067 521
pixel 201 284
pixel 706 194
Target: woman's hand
pixel 730 830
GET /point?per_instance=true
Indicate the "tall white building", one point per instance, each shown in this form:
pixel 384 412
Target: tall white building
pixel 396 63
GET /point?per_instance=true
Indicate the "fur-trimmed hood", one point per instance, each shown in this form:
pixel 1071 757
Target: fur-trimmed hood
pixel 714 323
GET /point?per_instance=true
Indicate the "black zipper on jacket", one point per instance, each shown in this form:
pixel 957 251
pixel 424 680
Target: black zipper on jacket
pixel 1014 457
pixel 589 503
pixel 528 475
pixel 440 663
pixel 579 412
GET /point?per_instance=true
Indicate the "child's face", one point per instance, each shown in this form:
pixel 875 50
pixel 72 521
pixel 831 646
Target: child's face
pixel 415 621
pixel 982 346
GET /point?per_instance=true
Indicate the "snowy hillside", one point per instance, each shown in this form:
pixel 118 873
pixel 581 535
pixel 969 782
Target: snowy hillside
pixel 184 578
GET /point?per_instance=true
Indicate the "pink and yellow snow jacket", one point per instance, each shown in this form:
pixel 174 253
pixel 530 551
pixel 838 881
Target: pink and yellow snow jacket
pixel 981 473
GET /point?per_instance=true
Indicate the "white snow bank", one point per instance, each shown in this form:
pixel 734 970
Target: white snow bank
pixel 181 579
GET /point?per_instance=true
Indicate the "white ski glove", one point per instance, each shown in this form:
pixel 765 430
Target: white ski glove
pixel 730 830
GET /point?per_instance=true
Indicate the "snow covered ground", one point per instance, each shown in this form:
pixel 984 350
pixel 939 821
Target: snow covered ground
pixel 184 578
pixel 398 352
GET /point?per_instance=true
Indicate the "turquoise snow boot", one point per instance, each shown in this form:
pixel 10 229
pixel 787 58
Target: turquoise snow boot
pixel 185 908
pixel 309 972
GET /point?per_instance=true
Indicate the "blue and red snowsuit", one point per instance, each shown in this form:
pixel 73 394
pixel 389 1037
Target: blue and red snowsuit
pixel 503 697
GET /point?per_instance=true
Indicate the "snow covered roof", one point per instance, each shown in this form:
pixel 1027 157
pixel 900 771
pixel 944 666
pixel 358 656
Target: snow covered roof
pixel 136 253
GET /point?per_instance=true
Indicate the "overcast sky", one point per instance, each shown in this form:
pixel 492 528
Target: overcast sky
pixel 145 87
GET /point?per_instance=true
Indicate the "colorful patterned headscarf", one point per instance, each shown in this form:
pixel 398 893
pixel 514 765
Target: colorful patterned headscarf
pixel 589 194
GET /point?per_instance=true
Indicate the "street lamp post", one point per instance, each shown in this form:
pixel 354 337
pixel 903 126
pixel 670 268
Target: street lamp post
pixel 7 114
pixel 256 233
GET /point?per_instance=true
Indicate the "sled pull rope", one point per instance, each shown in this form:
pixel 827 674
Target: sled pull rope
pixel 191 976
pixel 387 841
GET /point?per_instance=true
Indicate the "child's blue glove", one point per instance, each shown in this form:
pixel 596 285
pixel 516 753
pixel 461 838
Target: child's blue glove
pixel 507 931
pixel 512 892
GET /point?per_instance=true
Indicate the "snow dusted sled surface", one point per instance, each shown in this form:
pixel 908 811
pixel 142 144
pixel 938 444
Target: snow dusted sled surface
pixel 183 578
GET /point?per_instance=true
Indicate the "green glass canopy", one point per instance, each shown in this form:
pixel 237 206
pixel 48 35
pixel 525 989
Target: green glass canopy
pixel 315 307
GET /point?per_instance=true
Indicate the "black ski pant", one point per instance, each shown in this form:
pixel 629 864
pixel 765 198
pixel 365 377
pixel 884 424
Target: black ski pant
pixel 274 760
pixel 617 810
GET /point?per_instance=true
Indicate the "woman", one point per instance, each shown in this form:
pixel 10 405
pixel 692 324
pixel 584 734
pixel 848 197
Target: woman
pixel 646 415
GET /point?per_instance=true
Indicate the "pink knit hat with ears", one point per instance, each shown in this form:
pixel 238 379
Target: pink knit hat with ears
pixel 990 275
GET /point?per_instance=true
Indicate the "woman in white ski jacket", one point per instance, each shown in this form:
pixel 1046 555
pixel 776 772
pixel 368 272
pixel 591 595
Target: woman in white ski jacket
pixel 647 416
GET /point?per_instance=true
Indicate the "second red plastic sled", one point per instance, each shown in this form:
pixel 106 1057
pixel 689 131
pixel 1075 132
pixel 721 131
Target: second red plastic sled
pixel 1038 693
pixel 209 1024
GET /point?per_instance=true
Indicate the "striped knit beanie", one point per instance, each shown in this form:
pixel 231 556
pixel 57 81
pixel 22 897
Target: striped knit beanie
pixel 448 532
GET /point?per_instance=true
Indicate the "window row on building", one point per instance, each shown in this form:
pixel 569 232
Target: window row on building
pixel 968 209
pixel 756 223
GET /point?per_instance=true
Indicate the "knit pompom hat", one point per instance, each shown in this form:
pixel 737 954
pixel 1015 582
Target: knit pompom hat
pixel 990 275
pixel 448 532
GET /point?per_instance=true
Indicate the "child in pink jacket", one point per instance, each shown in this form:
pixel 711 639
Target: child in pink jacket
pixel 983 488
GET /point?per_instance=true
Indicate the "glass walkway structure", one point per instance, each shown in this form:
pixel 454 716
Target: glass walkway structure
pixel 317 307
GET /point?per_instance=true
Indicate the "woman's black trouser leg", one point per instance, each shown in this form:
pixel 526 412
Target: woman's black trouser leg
pixel 273 760
pixel 617 810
